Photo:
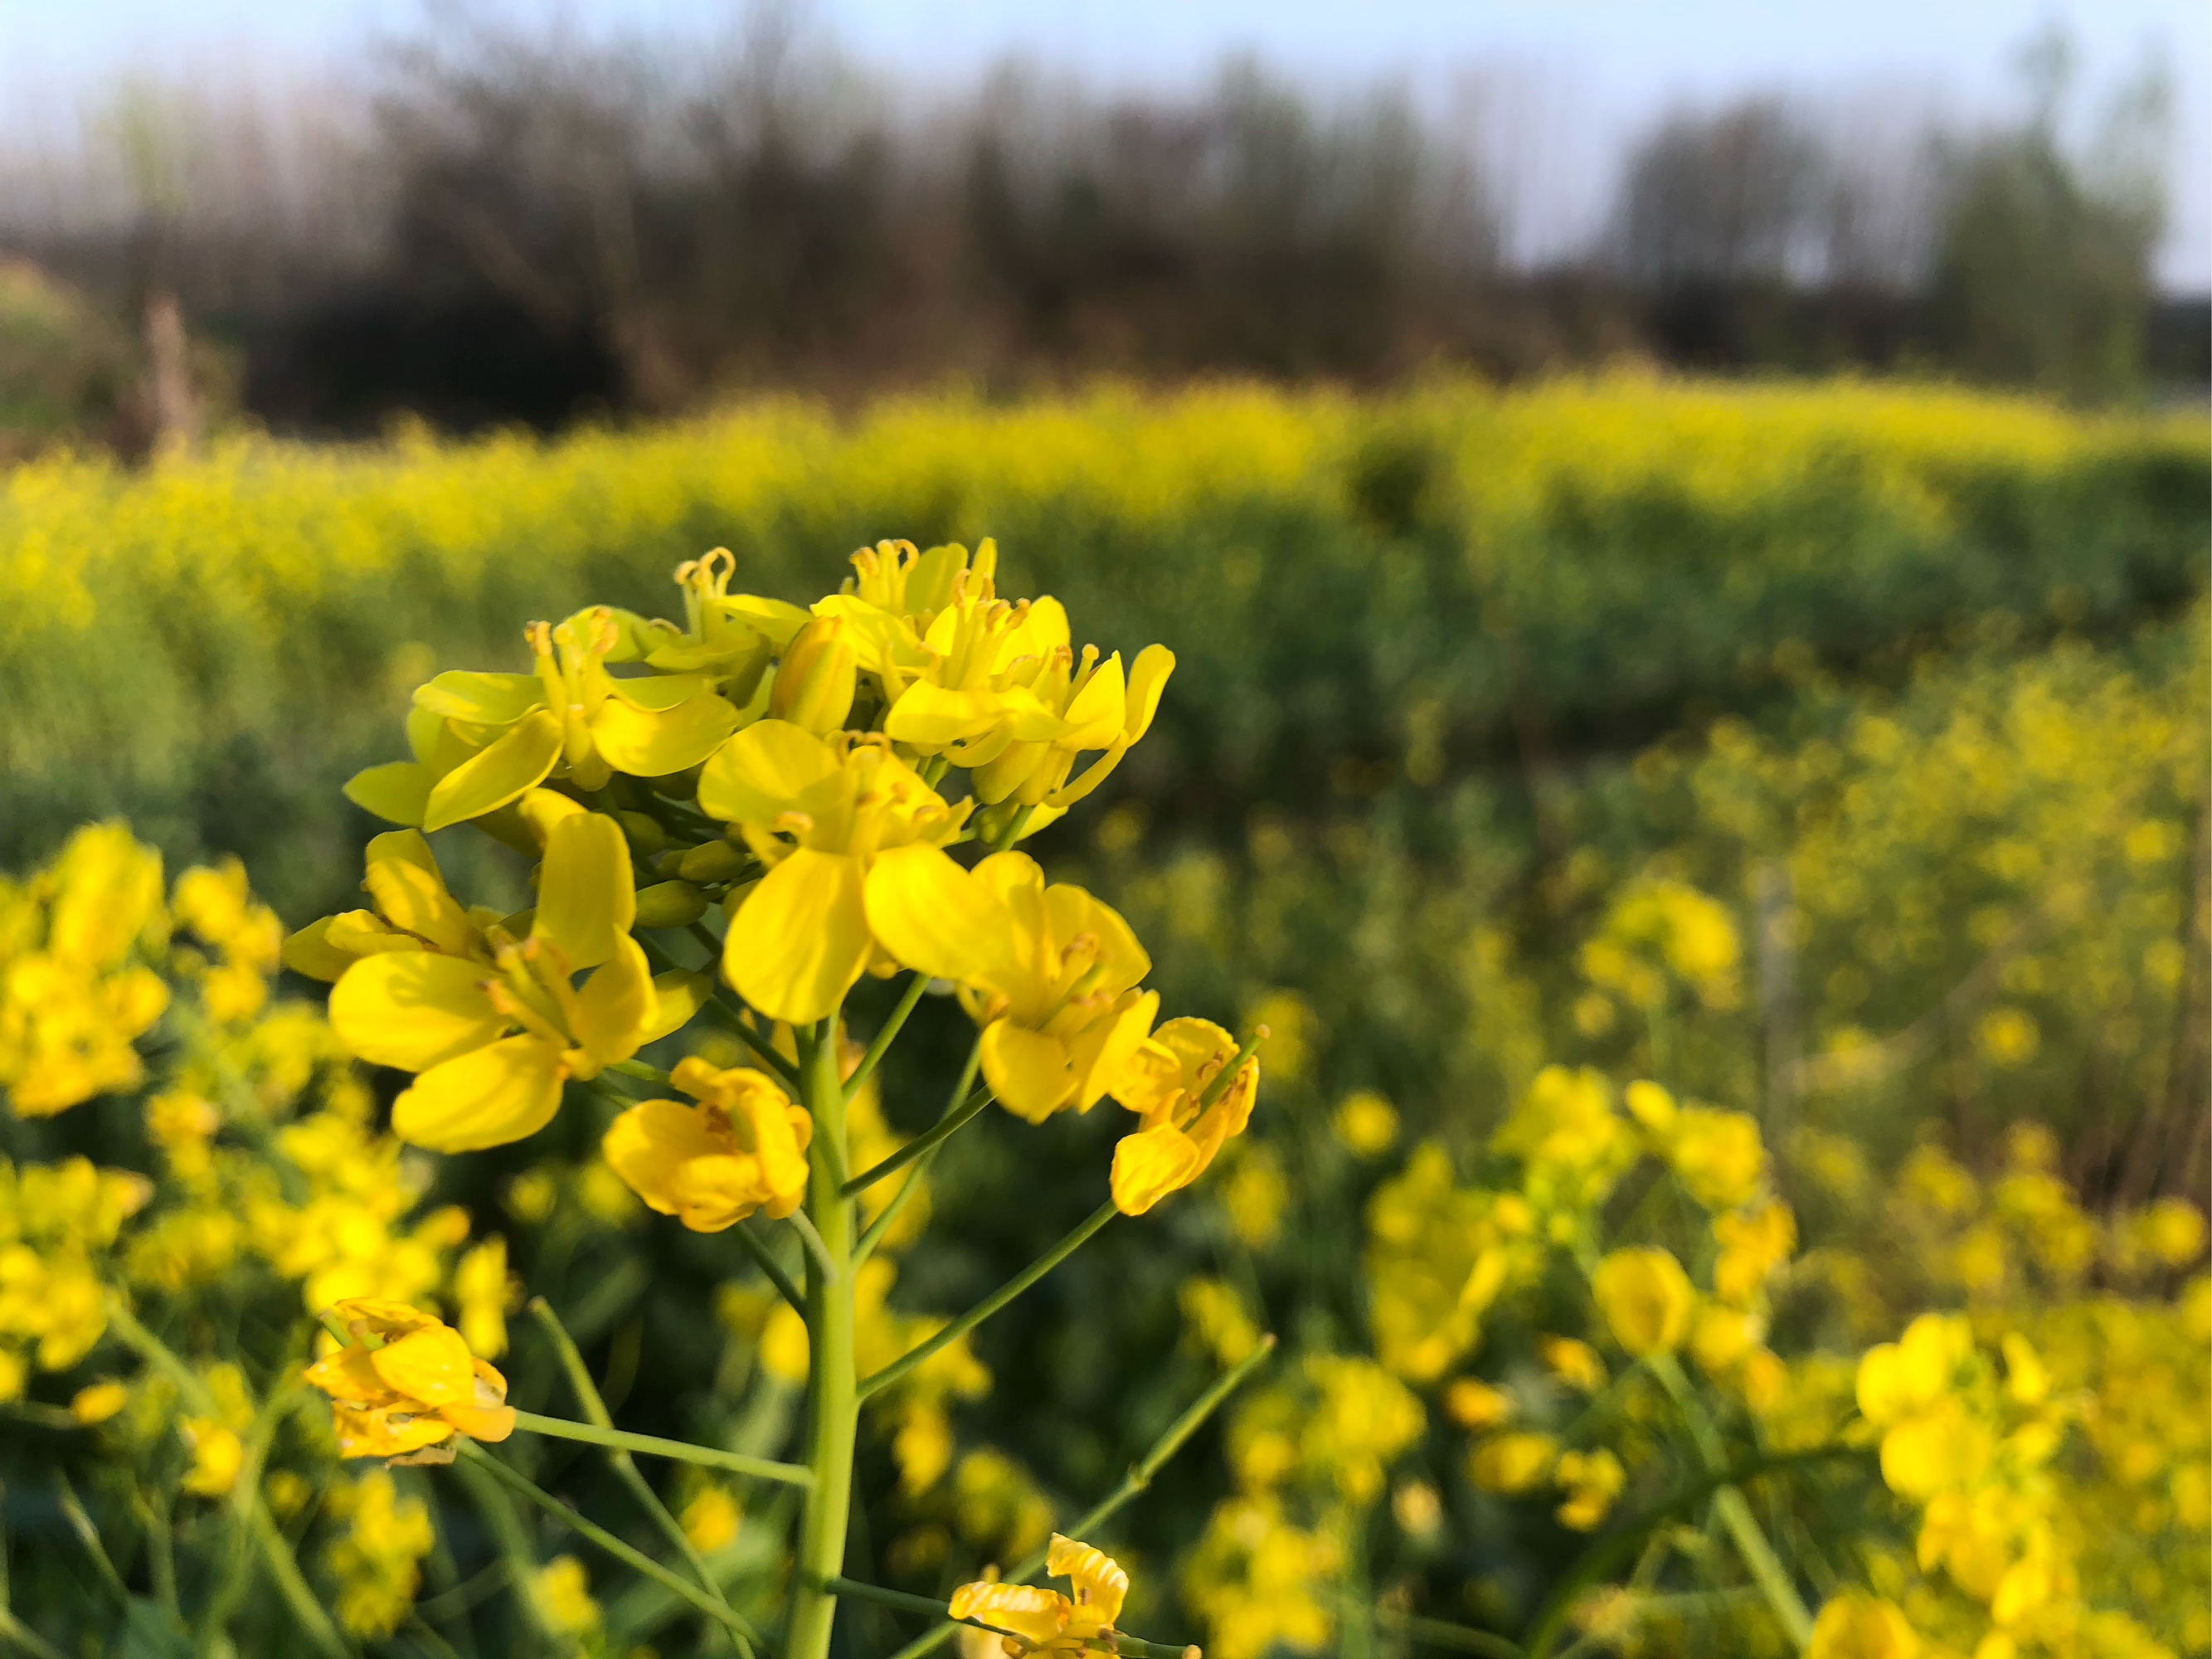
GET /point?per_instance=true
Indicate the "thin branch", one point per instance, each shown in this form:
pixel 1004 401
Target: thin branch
pixel 761 1468
pixel 991 1303
pixel 756 1247
pixel 637 1561
pixel 625 1467
pixel 884 1038
pixel 930 1139
pixel 803 1224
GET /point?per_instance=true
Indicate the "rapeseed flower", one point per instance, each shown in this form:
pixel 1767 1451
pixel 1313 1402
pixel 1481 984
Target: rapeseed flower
pixel 1646 1299
pixel 405 1383
pixel 819 813
pixel 743 1148
pixel 449 1007
pixel 1048 972
pixel 1034 1620
pixel 1164 1081
pixel 481 741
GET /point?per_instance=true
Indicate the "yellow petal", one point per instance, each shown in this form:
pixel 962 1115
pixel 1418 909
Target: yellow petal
pixel 398 793
pixel 413 1009
pixel 678 995
pixel 409 893
pixel 1031 1611
pixel 481 699
pixel 521 760
pixel 1102 1050
pixel 1122 959
pixel 1148 677
pixel 1094 717
pixel 648 1146
pixel 930 717
pixel 801 939
pixel 433 1365
pixel 1030 1072
pixel 586 901
pixel 1150 1163
pixel 1101 1583
pixel 505 1091
pixel 539 810
pixel 309 952
pixel 761 772
pixel 649 742
pixel 935 916
pixel 615 1006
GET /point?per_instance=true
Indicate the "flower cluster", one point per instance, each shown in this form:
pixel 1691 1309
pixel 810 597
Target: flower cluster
pixel 783 765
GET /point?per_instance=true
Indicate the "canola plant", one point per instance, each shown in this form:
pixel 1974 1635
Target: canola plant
pixel 1608 1372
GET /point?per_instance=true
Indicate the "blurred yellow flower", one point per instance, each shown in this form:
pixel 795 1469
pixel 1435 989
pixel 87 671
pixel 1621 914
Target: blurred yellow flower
pixel 1366 1123
pixel 1646 1299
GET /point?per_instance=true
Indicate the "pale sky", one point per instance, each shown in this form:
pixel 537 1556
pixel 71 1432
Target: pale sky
pixel 1564 84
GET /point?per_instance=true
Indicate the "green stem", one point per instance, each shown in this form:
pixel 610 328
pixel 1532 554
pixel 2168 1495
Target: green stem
pixel 15 1630
pixel 1137 1479
pixel 625 1467
pixel 818 1248
pixel 991 1303
pixel 923 1144
pixel 833 1403
pixel 761 1468
pixel 884 1038
pixel 1440 1633
pixel 1729 1503
pixel 236 1579
pixel 638 1068
pixel 889 1214
pixel 88 1535
pixel 637 1561
pixel 756 1247
pixel 733 1021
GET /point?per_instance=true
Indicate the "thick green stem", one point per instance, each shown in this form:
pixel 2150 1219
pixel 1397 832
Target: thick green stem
pixel 991 1303
pixel 762 1469
pixel 833 1402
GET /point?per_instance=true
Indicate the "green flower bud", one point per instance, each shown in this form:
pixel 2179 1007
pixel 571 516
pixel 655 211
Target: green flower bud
pixel 715 860
pixel 645 836
pixel 669 904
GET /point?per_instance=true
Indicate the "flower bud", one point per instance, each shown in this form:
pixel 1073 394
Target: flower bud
pixel 713 861
pixel 645 836
pixel 669 904
pixel 814 682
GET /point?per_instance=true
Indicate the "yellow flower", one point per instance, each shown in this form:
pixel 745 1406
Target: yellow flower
pixel 1718 1156
pixel 217 1455
pixel 485 1291
pixel 742 1149
pixel 1753 1244
pixel 1511 1464
pixel 439 1009
pixel 1575 1363
pixel 1646 1298
pixel 1592 1480
pixel 98 1401
pixel 1900 1379
pixel 1048 972
pixel 1856 1626
pixel 711 1519
pixel 1366 1123
pixel 1473 1404
pixel 563 1590
pixel 820 814
pixel 1163 1083
pixel 417 1386
pixel 732 635
pixel 1035 1620
pixel 413 911
pixel 481 741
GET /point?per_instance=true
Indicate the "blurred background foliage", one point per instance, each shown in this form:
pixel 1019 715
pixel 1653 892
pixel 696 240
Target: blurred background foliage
pixel 496 218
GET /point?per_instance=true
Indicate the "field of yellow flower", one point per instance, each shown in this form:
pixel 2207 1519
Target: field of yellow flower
pixel 1585 1032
